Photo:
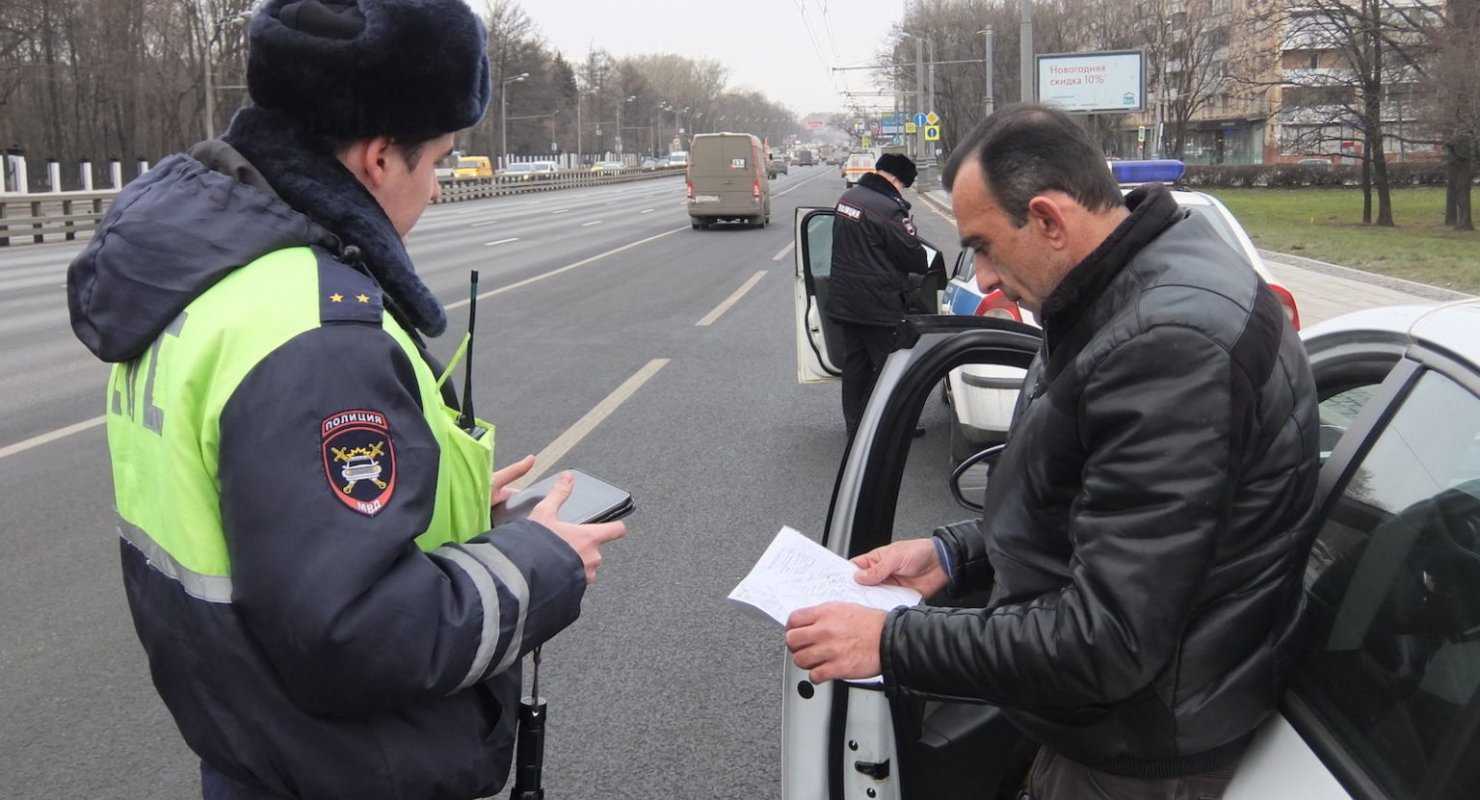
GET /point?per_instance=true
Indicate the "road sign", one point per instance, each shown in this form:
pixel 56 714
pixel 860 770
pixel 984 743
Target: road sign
pixel 932 133
pixel 1140 133
pixel 912 128
pixel 919 119
pixel 932 118
pixel 866 141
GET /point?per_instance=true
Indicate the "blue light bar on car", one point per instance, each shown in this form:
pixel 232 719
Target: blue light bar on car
pixel 1164 170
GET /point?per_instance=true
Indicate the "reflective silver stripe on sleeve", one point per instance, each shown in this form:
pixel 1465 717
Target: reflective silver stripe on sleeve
pixel 488 594
pixel 210 588
pixel 513 580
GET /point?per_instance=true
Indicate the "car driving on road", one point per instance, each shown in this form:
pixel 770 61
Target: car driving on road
pixel 530 171
pixel 858 165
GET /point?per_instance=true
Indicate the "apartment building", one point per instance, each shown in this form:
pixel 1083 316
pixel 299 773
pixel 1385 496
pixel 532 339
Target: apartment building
pixel 1270 81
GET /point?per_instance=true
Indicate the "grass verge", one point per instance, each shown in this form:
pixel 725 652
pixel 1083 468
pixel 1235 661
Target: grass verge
pixel 1325 224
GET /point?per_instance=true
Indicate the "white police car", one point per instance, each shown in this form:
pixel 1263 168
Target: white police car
pixel 1385 701
pixel 982 397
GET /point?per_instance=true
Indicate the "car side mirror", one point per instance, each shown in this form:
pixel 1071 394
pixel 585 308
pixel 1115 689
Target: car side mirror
pixel 974 471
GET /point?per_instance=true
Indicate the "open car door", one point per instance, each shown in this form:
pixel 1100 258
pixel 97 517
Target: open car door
pixel 818 341
pixel 852 741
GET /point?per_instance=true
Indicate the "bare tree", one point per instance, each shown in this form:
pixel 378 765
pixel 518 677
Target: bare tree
pixel 1452 96
pixel 1185 43
pixel 1363 59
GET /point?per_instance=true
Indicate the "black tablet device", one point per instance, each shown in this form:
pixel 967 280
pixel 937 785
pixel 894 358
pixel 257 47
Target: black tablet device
pixel 591 500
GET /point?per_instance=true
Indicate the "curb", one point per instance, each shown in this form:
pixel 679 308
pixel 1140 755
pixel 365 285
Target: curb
pixel 936 206
pixel 1351 273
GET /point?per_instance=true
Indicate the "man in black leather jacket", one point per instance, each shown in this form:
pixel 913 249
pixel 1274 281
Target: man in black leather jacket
pixel 1147 525
pixel 874 250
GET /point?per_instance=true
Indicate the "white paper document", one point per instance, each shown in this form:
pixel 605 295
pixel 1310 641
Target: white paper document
pixel 796 572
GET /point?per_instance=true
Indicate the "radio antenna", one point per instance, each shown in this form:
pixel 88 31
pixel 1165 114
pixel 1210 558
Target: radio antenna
pixel 466 420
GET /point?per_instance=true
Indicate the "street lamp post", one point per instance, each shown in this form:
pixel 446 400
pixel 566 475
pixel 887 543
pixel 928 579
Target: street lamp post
pixel 503 117
pixel 664 106
pixel 987 53
pixel 1025 53
pixel 620 106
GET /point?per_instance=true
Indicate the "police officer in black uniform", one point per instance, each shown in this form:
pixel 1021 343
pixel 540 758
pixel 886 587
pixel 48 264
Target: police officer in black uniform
pixel 874 252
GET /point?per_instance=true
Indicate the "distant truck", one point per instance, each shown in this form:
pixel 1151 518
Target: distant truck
pixel 804 158
pixel 728 180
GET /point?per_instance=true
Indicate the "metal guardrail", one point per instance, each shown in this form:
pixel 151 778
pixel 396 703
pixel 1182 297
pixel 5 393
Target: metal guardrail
pixel 62 216
pixel 58 215
pixel 475 188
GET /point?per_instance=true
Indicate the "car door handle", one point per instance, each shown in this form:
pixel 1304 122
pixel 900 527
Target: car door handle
pixel 878 770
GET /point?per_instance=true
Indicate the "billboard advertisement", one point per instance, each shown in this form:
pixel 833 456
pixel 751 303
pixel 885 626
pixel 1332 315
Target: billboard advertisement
pixel 1088 83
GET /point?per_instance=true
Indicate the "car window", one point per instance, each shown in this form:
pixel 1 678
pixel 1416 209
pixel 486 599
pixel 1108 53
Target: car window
pixel 1337 413
pixel 819 245
pixel 966 265
pixel 1394 588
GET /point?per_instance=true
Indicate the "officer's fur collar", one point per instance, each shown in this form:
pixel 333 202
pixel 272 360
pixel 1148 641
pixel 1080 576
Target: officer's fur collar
pixel 882 185
pixel 309 178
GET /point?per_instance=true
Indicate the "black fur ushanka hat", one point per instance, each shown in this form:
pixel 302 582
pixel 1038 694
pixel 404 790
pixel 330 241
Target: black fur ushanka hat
pixel 353 69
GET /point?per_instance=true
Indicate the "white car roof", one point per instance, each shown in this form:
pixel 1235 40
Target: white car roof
pixel 1449 327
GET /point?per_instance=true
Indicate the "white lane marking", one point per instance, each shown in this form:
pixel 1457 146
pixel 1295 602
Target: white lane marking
pixel 784 251
pixel 48 438
pixel 485 223
pixel 567 268
pixel 719 310
pixel 592 222
pixel 800 185
pixel 573 435
pixel 501 241
pixel 647 211
pixel 560 211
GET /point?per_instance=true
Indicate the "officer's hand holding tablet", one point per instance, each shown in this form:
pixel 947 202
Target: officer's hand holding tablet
pixel 582 510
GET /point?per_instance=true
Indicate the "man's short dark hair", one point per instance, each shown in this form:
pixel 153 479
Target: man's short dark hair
pixel 1026 150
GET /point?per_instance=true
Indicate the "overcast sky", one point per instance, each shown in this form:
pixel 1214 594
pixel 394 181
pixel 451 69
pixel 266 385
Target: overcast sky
pixel 765 44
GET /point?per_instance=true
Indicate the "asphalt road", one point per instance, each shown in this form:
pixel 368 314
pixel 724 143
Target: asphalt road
pixel 661 689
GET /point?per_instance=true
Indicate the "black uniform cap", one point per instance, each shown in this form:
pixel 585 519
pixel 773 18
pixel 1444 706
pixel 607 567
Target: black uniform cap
pixel 352 69
pixel 899 166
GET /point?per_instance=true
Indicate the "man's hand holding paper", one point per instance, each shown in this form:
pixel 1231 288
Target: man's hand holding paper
pixel 834 609
pixel 841 640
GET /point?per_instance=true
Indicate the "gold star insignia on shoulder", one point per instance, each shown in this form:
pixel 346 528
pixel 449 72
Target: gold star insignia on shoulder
pixel 362 297
pixel 336 298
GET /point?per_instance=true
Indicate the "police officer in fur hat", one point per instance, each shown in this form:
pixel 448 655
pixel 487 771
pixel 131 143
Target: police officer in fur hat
pixel 305 525
pixel 874 251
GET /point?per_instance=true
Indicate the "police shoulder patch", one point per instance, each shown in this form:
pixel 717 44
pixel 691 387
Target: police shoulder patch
pixel 359 459
pixel 849 211
pixel 909 226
